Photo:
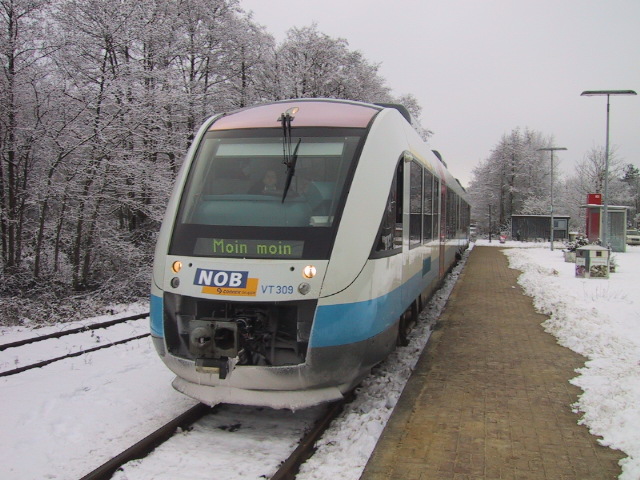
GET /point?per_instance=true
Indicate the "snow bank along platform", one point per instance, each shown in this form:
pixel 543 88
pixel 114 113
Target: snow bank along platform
pixel 490 397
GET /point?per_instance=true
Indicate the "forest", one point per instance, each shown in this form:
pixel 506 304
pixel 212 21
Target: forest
pixel 99 101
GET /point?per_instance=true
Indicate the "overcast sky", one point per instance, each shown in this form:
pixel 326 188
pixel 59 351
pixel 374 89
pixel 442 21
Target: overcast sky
pixel 482 68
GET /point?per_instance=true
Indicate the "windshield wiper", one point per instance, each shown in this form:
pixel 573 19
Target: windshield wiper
pixel 289 159
pixel 291 170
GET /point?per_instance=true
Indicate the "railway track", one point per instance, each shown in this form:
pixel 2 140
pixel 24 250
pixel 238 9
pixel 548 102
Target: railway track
pixel 288 467
pixel 306 447
pixel 79 339
pixel 72 331
pixel 73 342
pixel 147 444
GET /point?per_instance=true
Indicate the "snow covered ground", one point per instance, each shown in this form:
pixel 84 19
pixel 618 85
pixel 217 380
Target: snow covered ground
pixel 63 420
pixel 600 319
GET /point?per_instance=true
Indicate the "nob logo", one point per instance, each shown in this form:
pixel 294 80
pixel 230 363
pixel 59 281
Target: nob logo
pixel 221 278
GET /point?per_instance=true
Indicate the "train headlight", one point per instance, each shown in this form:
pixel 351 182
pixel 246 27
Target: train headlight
pixel 309 271
pixel 175 282
pixel 304 288
pixel 176 266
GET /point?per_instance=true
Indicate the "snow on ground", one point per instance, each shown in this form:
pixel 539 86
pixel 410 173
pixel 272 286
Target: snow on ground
pixel 14 334
pixel 44 350
pixel 63 420
pixel 600 319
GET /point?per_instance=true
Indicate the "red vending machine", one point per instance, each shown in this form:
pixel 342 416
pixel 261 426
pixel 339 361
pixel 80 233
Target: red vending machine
pixel 594 202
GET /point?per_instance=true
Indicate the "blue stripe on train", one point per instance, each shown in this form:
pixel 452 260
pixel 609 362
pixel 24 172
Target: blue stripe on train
pixel 157 316
pixel 354 322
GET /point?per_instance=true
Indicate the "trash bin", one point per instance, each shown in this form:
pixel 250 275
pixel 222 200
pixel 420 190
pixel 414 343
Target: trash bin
pixel 592 261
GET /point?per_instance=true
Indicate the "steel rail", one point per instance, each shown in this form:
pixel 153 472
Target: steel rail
pixel 287 471
pixel 72 331
pixel 150 442
pixel 70 355
pixel 290 467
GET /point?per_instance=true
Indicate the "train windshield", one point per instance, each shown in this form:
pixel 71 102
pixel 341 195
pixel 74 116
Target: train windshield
pixel 243 183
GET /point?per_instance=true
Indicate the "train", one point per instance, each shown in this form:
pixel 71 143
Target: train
pixel 301 241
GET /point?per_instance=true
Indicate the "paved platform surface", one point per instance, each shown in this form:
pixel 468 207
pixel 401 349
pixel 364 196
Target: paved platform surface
pixel 490 397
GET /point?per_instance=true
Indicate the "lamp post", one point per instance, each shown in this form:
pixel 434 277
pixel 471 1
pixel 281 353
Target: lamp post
pixel 551 149
pixel 605 200
pixel 489 223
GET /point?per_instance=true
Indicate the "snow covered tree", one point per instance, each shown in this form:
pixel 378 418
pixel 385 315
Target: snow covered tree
pixel 589 178
pixel 590 172
pixel 411 103
pixel 252 63
pixel 98 104
pixel 514 179
pixel 631 178
pixel 21 54
pixel 312 64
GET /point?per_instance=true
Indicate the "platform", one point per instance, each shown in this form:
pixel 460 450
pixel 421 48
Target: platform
pixel 490 397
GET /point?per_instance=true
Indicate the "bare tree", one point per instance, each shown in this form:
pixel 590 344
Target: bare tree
pixel 590 172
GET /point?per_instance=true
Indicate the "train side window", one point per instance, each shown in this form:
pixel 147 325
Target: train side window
pixel 467 217
pixel 451 214
pixel 438 207
pixel 389 238
pixel 415 204
pixel 458 214
pixel 427 207
pixel 399 230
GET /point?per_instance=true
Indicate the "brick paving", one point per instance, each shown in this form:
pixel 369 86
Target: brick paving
pixel 490 397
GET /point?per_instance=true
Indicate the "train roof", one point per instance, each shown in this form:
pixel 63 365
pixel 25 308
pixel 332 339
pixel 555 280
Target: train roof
pixel 306 112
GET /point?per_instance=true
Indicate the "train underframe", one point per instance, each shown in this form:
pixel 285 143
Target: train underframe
pixel 217 334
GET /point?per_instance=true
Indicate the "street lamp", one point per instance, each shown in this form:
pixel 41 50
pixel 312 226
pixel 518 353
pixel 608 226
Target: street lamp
pixel 489 223
pixel 605 201
pixel 551 149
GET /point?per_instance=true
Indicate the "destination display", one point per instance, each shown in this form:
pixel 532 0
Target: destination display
pixel 248 248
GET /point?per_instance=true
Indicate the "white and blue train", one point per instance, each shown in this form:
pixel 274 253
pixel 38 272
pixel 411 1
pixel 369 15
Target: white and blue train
pixel 301 241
